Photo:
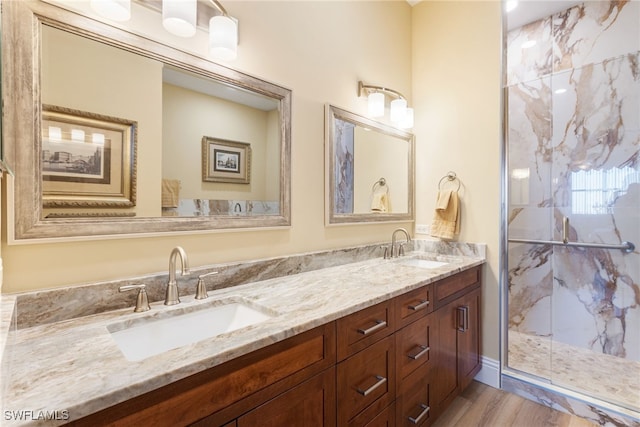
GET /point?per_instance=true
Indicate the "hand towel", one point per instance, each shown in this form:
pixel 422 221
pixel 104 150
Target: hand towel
pixel 170 193
pixel 380 202
pixel 446 219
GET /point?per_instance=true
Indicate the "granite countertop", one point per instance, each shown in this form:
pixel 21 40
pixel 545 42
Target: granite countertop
pixel 76 366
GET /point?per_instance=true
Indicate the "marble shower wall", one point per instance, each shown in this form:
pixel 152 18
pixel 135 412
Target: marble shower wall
pixel 573 100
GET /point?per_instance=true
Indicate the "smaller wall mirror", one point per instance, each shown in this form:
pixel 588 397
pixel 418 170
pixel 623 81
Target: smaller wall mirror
pixel 369 170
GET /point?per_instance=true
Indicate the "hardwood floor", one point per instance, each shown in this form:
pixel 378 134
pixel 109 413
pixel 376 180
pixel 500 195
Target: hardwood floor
pixel 482 405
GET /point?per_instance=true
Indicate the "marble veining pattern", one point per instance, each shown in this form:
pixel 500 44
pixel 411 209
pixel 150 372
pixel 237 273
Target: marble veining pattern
pixel 54 305
pixel 75 365
pixel 574 151
pixel 567 403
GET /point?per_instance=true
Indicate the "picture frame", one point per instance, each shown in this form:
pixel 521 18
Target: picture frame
pixel 88 160
pixel 226 161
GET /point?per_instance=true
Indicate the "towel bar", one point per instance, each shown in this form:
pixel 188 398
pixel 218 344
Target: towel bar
pixel 381 182
pixel 450 176
pixel 627 247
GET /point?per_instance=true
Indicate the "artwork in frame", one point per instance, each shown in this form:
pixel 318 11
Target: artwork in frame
pixel 226 161
pixel 88 159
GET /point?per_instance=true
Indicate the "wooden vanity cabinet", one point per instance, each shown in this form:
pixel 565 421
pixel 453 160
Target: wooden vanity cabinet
pixel 224 393
pixel 397 363
pixel 456 322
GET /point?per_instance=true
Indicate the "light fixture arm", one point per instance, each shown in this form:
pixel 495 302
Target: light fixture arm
pixel 218 6
pixel 366 89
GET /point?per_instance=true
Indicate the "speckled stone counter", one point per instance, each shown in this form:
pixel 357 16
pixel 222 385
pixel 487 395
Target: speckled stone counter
pixel 75 367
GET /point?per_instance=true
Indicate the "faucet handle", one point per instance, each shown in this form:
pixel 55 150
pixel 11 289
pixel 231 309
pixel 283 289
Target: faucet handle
pixel 201 288
pixel 401 249
pixel 385 253
pixel 142 301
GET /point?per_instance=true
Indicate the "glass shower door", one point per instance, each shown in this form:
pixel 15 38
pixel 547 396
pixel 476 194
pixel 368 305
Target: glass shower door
pixel 573 159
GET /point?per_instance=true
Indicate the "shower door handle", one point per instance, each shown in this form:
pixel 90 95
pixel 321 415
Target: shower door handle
pixel 462 318
pixel 565 230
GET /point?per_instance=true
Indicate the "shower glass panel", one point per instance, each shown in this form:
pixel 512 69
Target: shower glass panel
pixel 572 90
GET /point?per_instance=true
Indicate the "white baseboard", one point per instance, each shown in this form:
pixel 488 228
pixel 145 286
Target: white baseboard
pixel 490 372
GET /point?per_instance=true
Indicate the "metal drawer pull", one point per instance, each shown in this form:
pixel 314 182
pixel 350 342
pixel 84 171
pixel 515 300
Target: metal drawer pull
pixel 423 304
pixel 463 318
pixel 381 380
pixel 379 325
pixel 425 411
pixel 424 350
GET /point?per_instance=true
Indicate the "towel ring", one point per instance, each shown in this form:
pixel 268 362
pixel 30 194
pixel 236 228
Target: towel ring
pixel 381 182
pixel 450 176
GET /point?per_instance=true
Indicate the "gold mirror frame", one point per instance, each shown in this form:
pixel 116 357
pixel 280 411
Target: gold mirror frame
pixel 331 216
pixel 21 127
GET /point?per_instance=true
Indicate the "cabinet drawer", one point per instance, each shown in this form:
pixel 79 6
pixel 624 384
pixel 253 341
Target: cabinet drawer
pixel 386 418
pixel 413 305
pixel 413 403
pixel 366 380
pixel 448 289
pixel 227 389
pixel 310 404
pixel 413 346
pixel 365 327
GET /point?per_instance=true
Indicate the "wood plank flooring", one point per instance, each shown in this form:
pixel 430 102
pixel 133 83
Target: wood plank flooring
pixel 481 405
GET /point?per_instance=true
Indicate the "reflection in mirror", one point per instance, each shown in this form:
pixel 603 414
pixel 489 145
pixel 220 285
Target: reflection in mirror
pixel 208 147
pixel 369 170
pixel 188 107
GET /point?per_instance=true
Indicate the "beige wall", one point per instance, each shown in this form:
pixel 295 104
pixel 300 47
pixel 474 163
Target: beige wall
pixel 456 92
pixel 187 116
pixel 319 50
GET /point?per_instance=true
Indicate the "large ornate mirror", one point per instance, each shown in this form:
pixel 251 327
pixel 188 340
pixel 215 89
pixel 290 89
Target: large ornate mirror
pixel 111 133
pixel 369 170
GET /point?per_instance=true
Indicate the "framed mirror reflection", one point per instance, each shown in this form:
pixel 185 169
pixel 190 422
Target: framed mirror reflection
pixel 369 174
pixel 175 100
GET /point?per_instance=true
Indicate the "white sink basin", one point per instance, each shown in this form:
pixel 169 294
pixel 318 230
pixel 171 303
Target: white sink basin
pixel 151 336
pixel 423 263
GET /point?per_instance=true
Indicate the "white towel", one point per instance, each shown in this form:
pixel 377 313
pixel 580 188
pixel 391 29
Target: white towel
pixel 446 218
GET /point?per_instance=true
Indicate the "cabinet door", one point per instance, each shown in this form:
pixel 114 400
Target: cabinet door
pixel 311 404
pixel 469 362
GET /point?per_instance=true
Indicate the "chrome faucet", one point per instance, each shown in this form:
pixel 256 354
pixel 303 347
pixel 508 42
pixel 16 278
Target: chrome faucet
pixel 171 297
pixel 399 251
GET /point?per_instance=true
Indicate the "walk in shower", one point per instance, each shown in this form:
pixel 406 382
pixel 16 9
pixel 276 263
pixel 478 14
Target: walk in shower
pixel 572 160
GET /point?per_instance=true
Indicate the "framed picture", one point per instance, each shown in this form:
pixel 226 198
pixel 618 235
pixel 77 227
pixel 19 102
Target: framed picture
pixel 226 161
pixel 88 159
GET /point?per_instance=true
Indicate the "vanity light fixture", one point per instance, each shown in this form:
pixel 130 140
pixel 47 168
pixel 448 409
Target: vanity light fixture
pixel 223 34
pixel 116 10
pixel 179 17
pixel 399 113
